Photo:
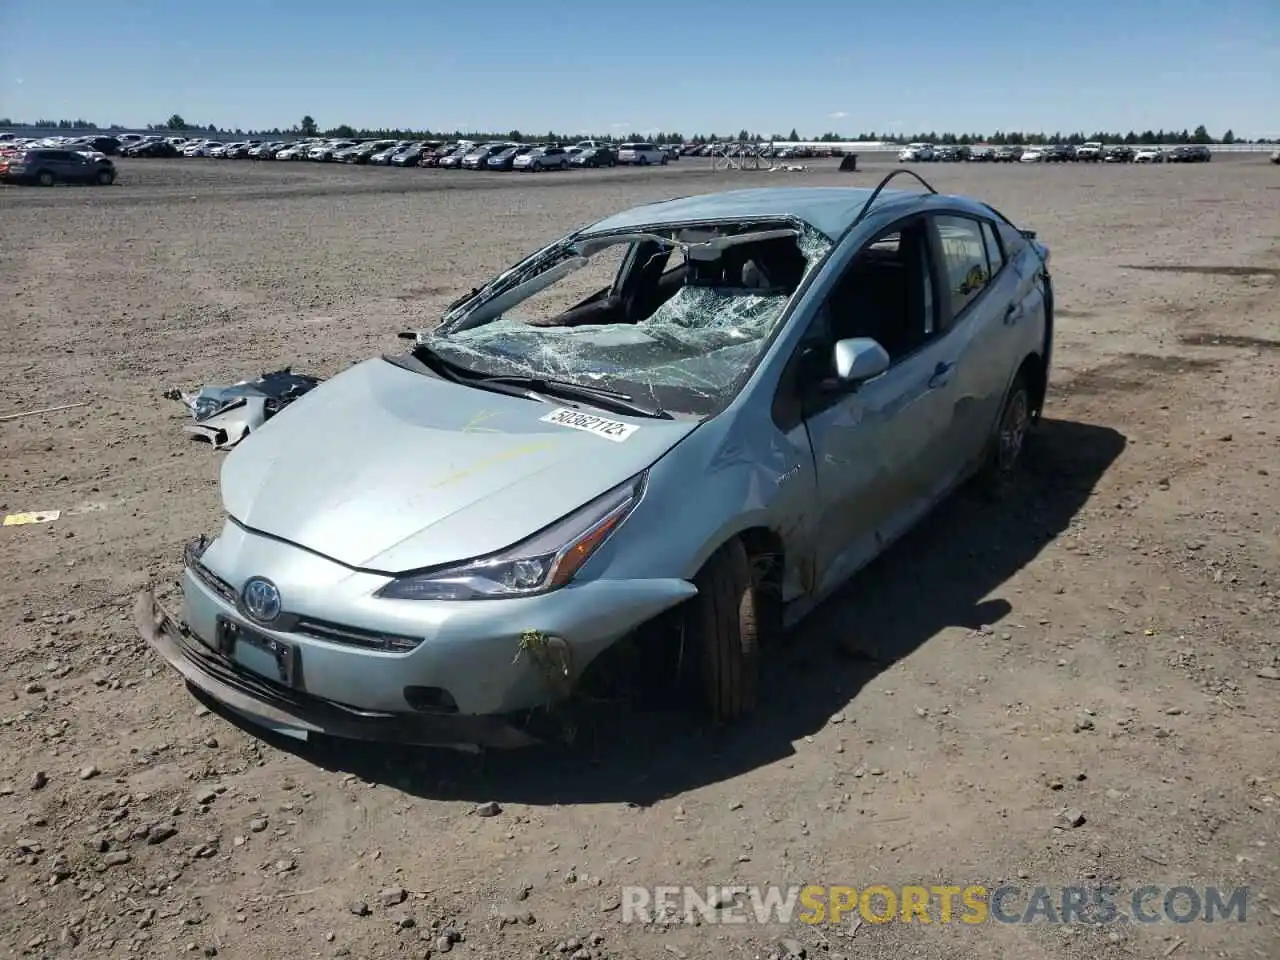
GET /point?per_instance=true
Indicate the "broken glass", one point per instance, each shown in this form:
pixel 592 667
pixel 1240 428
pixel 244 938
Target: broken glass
pixel 700 340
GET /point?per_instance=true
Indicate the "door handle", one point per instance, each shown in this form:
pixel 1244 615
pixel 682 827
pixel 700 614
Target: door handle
pixel 1012 313
pixel 941 375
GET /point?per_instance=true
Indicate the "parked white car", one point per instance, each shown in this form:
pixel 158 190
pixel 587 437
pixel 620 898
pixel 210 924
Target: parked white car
pixel 641 154
pixel 1090 152
pixel 202 148
pixel 325 151
pixel 1149 155
pixel 550 157
pixel 1032 155
pixel 297 151
pixel 916 153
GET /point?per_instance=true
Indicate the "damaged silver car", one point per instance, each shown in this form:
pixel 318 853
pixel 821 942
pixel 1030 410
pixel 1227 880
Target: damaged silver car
pixel 714 409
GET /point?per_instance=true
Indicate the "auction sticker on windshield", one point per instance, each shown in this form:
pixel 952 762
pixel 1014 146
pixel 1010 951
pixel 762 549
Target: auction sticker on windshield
pixel 614 430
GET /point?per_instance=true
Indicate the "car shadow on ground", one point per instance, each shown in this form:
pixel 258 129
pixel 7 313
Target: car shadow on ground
pixel 940 575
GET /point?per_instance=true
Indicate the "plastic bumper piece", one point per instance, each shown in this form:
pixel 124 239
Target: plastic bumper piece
pixel 274 705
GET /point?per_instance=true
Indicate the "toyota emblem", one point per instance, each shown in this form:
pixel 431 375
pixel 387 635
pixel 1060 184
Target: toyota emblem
pixel 261 599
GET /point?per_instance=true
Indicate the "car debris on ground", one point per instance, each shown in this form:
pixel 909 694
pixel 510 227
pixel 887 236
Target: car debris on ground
pixel 225 415
pixel 35 413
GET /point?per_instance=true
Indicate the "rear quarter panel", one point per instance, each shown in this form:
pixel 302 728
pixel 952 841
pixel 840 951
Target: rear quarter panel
pixel 1032 334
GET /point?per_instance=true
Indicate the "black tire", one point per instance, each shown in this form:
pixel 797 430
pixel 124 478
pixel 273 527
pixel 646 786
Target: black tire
pixel 1009 438
pixel 106 178
pixel 723 624
pixel 44 178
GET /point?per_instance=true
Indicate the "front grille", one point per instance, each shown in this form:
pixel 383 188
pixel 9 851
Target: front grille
pixel 354 636
pixel 293 623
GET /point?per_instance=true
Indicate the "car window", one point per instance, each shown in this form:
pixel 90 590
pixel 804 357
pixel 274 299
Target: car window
pixel 600 273
pixel 995 256
pixel 886 293
pixel 964 260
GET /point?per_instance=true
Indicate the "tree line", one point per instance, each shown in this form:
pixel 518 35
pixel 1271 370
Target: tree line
pixel 308 127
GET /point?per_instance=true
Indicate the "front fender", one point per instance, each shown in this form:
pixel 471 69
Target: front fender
pixel 717 482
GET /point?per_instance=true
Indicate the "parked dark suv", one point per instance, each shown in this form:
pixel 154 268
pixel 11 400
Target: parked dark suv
pixel 1187 154
pixel 48 165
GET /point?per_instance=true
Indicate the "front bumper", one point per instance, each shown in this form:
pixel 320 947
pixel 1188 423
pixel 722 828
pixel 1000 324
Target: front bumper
pixel 276 707
pixel 391 658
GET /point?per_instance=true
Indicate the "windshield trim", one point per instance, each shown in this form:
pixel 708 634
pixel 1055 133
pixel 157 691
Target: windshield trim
pixel 464 306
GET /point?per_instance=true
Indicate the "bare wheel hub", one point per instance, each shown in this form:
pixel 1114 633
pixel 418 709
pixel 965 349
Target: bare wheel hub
pixel 1013 430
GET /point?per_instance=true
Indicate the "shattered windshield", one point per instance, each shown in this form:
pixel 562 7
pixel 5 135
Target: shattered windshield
pixel 679 314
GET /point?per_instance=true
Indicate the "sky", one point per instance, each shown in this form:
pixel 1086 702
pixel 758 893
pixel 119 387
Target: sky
pixel 621 67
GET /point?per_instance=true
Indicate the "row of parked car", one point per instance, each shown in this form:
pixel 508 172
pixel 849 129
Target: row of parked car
pixel 1091 152
pixel 459 154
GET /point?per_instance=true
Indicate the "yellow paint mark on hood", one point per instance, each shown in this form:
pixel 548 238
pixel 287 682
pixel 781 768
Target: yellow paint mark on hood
pixel 473 425
pixel 515 452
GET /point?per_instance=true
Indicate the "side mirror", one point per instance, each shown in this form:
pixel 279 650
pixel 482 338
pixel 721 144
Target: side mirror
pixel 859 359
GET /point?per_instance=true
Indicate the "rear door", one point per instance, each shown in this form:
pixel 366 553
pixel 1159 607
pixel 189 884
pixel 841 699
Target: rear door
pixel 64 165
pixel 980 302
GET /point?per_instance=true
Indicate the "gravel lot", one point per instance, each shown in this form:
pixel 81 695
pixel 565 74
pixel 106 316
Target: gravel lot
pixel 1106 643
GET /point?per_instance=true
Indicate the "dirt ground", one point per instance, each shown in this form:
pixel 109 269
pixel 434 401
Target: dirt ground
pixel 1105 643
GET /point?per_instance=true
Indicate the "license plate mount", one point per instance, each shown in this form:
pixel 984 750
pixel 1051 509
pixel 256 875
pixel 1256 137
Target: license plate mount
pixel 266 656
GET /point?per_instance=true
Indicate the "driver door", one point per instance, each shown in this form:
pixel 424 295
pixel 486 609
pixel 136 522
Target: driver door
pixel 871 444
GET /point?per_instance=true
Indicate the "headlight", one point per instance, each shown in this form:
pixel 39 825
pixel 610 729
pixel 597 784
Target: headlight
pixel 544 562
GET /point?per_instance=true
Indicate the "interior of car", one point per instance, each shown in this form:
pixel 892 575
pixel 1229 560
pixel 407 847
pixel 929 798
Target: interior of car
pixel 771 267
pixel 886 294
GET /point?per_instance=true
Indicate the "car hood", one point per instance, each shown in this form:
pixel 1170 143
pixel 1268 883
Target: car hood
pixel 388 470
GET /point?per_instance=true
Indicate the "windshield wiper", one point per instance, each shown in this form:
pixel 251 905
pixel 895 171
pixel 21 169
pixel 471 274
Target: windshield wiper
pixel 532 388
pixel 600 396
pixel 424 356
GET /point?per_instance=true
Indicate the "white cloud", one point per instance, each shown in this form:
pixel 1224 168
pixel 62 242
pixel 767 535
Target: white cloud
pixel 18 80
pixel 838 115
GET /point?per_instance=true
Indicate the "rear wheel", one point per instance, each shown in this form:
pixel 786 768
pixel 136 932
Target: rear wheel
pixel 106 178
pixel 1005 449
pixel 44 178
pixel 723 623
